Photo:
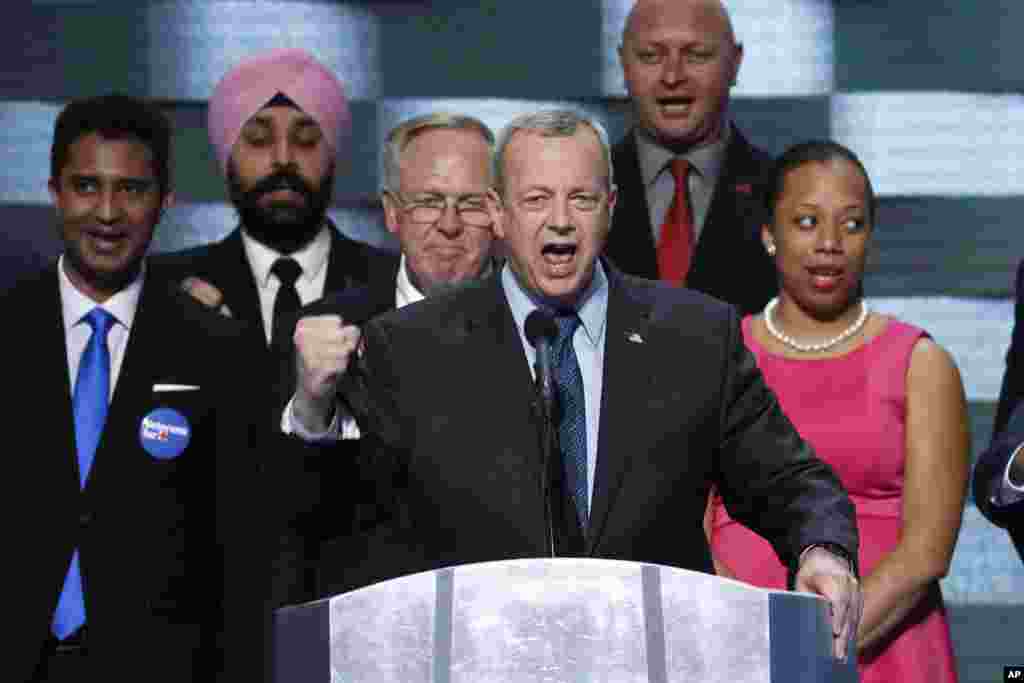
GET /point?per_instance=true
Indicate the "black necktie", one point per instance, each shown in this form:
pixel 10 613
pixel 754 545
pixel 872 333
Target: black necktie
pixel 287 302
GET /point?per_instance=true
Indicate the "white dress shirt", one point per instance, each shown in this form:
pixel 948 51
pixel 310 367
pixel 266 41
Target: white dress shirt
pixel 405 291
pixel 310 285
pixel 75 306
pixel 344 426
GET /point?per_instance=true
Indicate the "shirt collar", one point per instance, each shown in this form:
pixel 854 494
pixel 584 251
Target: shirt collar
pixel 592 309
pixel 312 257
pixel 76 305
pixel 707 159
pixel 405 291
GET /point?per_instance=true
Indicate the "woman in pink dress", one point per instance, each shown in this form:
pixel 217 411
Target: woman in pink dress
pixel 877 399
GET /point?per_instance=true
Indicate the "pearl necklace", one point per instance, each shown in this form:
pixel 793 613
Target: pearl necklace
pixel 769 311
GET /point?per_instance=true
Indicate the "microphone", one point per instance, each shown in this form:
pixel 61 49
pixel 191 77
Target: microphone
pixel 541 330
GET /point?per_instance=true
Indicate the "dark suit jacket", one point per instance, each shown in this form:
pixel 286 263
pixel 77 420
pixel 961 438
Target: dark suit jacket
pixel 1007 434
pixel 337 508
pixel 1004 511
pixel 683 410
pixel 156 537
pixel 1013 378
pixel 730 262
pixel 225 265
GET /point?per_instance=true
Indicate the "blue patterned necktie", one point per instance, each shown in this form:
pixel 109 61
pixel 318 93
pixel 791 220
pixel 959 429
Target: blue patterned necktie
pixel 572 422
pixel 89 402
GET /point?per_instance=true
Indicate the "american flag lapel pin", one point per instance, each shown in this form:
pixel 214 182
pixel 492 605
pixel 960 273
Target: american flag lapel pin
pixel 744 188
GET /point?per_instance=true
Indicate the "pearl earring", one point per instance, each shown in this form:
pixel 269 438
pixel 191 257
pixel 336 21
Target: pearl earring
pixel 770 249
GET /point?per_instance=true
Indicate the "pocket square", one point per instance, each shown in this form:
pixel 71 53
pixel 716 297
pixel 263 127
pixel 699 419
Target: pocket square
pixel 175 387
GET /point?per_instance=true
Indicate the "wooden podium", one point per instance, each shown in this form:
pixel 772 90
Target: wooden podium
pixel 559 621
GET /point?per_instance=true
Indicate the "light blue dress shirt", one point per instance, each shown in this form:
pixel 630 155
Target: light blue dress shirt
pixel 588 342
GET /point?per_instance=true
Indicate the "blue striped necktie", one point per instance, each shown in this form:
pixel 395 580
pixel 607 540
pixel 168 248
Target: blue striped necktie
pixel 89 402
pixel 572 422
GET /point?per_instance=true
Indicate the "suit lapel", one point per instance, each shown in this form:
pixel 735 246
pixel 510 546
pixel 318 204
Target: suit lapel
pixel 489 324
pixel 631 241
pixel 231 272
pixel 733 211
pixel 340 270
pixel 628 369
pixel 55 375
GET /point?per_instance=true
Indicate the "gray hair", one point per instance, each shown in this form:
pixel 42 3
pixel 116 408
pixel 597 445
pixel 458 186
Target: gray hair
pixel 401 135
pixel 549 123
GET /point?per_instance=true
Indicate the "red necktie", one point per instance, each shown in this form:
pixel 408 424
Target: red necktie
pixel 675 247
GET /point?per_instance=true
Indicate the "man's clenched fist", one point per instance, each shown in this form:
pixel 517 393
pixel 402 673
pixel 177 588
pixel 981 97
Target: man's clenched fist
pixel 324 344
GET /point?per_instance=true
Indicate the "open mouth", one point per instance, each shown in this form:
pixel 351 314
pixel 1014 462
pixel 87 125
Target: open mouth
pixel 558 254
pixel 825 277
pixel 559 259
pixel 673 107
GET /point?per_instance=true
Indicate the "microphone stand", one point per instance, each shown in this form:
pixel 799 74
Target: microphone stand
pixel 541 331
pixel 545 412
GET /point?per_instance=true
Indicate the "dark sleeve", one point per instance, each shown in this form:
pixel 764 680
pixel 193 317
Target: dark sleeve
pixel 370 391
pixel 268 500
pixel 991 468
pixel 311 488
pixel 1013 377
pixel 383 543
pixel 241 510
pixel 769 477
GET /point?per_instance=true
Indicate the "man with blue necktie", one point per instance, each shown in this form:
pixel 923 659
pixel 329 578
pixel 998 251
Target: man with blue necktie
pixel 118 532
pixel 656 399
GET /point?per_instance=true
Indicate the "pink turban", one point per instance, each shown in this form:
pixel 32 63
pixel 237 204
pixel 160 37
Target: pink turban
pixel 254 81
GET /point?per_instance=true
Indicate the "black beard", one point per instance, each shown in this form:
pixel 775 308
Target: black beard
pixel 283 227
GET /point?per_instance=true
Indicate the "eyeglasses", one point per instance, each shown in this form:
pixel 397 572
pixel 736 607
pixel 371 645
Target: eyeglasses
pixel 472 210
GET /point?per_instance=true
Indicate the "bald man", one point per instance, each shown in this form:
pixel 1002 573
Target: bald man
pixel 689 201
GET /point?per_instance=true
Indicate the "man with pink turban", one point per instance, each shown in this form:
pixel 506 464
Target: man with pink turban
pixel 277 122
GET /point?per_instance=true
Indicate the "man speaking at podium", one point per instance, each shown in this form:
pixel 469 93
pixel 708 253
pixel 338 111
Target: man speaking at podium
pixel 655 399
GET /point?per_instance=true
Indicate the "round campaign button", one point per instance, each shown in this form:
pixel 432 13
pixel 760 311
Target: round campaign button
pixel 164 433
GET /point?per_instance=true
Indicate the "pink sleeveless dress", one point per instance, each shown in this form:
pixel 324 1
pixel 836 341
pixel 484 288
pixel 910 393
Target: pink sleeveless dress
pixel 851 409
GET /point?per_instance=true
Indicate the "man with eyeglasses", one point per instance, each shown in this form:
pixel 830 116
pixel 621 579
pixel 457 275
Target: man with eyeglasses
pixel 436 176
pixel 436 172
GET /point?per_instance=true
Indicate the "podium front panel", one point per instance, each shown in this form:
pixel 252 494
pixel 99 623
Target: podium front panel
pixel 558 621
